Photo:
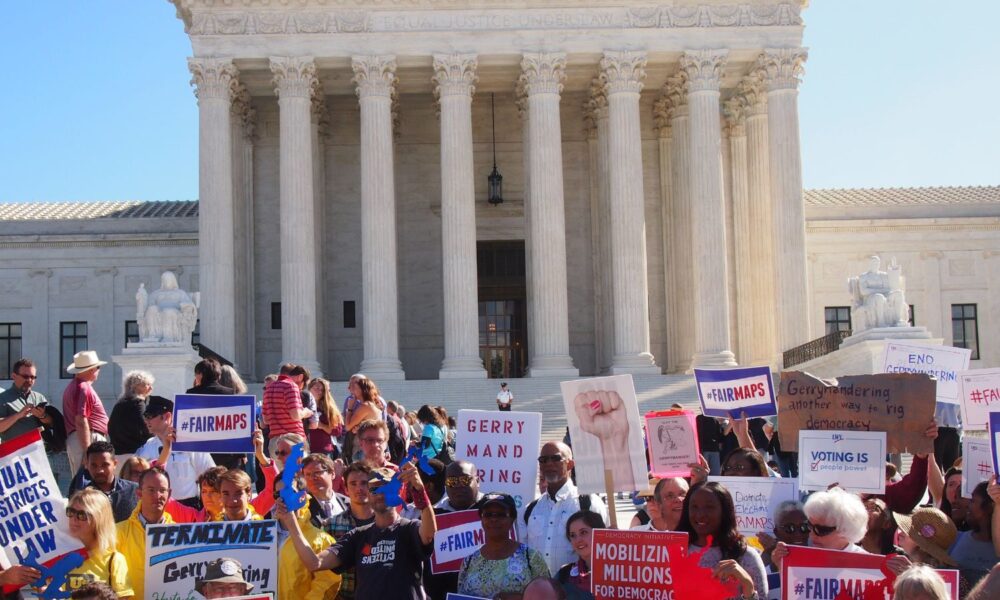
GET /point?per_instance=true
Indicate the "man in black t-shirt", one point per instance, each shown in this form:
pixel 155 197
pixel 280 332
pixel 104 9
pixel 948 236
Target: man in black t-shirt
pixel 388 554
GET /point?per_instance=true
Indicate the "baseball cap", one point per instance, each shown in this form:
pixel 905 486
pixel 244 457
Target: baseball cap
pixel 157 405
pixel 506 500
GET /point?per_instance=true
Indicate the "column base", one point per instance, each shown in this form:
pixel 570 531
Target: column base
pixel 383 368
pixel 635 364
pixel 714 359
pixel 552 366
pixel 463 367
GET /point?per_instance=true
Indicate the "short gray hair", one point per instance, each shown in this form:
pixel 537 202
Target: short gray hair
pixel 291 438
pixel 134 379
pixel 784 508
pixel 920 580
pixel 845 510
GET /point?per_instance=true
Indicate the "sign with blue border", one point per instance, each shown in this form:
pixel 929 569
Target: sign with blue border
pixel 214 423
pixel 730 392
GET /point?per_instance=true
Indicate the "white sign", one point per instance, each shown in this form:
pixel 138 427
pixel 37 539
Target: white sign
pixel 673 443
pixel 980 392
pixel 504 447
pixel 606 430
pixel 214 423
pixel 941 362
pixel 854 460
pixel 756 500
pixel 977 463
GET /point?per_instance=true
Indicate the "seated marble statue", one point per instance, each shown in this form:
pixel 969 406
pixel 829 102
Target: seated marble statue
pixel 877 297
pixel 168 315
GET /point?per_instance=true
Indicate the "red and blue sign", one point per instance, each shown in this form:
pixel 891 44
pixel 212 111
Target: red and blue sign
pixel 214 423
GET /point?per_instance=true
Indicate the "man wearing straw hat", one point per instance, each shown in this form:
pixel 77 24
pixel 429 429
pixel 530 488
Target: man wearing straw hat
pixel 86 420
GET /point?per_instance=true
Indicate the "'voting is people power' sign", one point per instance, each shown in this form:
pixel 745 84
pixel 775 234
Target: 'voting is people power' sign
pixel 855 460
pixel 214 423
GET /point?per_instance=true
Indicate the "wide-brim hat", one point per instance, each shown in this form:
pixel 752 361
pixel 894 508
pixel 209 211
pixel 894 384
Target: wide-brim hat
pixel 223 570
pixel 85 361
pixel 931 531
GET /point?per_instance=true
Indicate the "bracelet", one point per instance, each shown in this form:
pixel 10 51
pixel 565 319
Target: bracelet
pixel 420 499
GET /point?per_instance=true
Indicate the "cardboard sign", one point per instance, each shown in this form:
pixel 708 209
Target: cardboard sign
pixel 214 423
pixel 995 440
pixel 977 464
pixel 979 393
pixel 673 442
pixel 606 430
pixel 854 460
pixel 176 554
pixel 633 564
pixel 817 574
pixel 33 510
pixel 756 499
pixel 729 392
pixel 459 534
pixel 941 362
pixel 902 405
pixel 504 447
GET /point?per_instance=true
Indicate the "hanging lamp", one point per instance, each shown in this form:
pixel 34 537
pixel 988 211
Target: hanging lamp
pixel 495 179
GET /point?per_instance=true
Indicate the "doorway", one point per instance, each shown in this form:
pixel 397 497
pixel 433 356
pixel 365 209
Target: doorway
pixel 502 308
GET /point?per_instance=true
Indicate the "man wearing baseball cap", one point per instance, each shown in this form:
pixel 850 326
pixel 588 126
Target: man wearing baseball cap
pixel 183 467
pixel 86 420
pixel 223 579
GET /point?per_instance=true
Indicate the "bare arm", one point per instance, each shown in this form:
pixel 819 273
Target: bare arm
pixel 83 429
pixel 8 422
pixel 935 480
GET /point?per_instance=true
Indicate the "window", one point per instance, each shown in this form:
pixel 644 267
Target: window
pixel 350 318
pixel 913 317
pixel 131 332
pixel 838 318
pixel 196 333
pixel 10 347
pixel 72 339
pixel 965 328
pixel 276 315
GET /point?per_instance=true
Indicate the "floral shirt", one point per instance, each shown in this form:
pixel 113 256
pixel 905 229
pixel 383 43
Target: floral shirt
pixel 480 576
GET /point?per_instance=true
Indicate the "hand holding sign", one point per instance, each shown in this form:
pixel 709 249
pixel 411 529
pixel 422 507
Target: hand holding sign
pixel 603 414
pixel 56 574
pixel 393 490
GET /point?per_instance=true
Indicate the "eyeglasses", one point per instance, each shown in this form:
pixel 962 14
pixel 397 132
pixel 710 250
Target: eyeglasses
pixel 459 481
pixel 79 515
pixel 555 458
pixel 370 440
pixel 31 377
pixel 672 497
pixel 737 468
pixel 791 528
pixel 822 530
pixel 316 474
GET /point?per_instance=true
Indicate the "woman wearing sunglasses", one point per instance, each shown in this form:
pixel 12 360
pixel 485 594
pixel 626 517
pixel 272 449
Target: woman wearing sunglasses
pixel 790 527
pixel 92 522
pixel 709 517
pixel 838 520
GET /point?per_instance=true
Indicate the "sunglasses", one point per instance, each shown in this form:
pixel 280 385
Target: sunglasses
pixel 79 515
pixel 822 530
pixel 791 528
pixel 555 458
pixel 459 481
pixel 31 377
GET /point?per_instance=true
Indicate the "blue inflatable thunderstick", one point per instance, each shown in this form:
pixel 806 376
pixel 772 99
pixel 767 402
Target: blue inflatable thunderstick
pixel 293 498
pixel 392 489
pixel 57 573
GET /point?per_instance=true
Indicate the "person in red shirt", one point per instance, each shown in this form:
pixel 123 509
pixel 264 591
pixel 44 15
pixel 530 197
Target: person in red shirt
pixel 84 414
pixel 282 406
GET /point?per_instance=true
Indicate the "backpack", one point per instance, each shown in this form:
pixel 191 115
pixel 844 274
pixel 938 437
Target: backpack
pixel 585 503
pixel 54 436
pixel 398 443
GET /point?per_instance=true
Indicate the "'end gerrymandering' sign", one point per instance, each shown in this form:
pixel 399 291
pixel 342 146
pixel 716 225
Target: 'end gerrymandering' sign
pixel 729 392
pixel 942 362
pixel 214 423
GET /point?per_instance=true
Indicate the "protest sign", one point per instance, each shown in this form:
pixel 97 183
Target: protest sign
pixel 995 439
pixel 606 430
pixel 756 499
pixel 634 564
pixel 214 423
pixel 901 404
pixel 940 362
pixel 979 393
pixel 254 597
pixel 729 392
pixel 176 555
pixel 673 442
pixel 458 535
pixel 504 447
pixel 817 574
pixel 32 510
pixel 950 577
pixel 855 460
pixel 977 464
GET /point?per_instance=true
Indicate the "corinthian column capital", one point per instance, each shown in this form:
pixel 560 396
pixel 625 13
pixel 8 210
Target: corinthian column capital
pixel 704 68
pixel 543 72
pixel 294 76
pixel 213 77
pixel 243 110
pixel 374 75
pixel 751 89
pixel 735 110
pixel 663 112
pixel 455 74
pixel 782 68
pixel 623 71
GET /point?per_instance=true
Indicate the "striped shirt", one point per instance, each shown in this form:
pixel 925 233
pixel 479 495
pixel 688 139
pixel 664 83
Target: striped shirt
pixel 282 403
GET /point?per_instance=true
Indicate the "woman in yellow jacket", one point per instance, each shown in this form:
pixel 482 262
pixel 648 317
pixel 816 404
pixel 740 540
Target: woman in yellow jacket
pixel 294 579
pixel 92 522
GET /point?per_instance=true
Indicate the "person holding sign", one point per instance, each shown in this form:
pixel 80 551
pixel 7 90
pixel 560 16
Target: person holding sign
pixel 184 467
pixel 838 520
pixel 709 518
pixel 575 577
pixel 154 491
pixel 92 522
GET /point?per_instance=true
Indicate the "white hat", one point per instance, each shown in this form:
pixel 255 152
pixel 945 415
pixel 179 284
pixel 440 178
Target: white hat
pixel 85 361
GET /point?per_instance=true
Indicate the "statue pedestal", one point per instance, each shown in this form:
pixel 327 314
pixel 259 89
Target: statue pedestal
pixel 863 356
pixel 171 364
pixel 887 333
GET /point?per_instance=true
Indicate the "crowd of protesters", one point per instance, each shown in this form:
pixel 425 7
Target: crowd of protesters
pixel 349 541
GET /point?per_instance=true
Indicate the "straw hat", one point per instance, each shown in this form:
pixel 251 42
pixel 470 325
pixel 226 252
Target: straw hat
pixel 85 361
pixel 932 531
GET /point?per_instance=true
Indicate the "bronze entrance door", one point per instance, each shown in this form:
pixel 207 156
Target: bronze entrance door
pixel 502 308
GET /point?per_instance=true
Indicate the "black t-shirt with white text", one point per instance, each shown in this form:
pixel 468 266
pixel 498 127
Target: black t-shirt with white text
pixel 388 563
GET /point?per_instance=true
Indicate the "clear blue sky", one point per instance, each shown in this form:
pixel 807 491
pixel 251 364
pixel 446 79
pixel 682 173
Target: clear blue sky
pixel 96 103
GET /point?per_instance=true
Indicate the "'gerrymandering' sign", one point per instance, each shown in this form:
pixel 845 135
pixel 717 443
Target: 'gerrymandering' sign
pixel 979 392
pixel 176 555
pixel 634 564
pixel 854 460
pixel 214 423
pixel 504 447
pixel 902 405
pixel 941 362
pixel 459 534
pixel 673 442
pixel 32 510
pixel 756 499
pixel 729 392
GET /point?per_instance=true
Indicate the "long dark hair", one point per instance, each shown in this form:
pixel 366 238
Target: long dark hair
pixel 727 538
pixel 946 503
pixel 751 455
pixel 429 415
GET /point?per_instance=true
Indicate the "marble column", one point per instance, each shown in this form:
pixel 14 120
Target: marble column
pixel 735 112
pixel 597 105
pixel 781 69
pixel 454 78
pixel 711 288
pixel 682 259
pixel 622 73
pixel 662 112
pixel 521 99
pixel 761 218
pixel 543 74
pixel 375 78
pixel 295 79
pixel 216 82
pixel 243 133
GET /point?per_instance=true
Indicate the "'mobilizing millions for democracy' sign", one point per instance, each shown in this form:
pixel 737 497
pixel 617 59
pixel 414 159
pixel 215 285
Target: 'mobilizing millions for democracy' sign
pixel 633 564
pixel 942 362
pixel 214 423
pixel 854 460
pixel 504 447
pixel 730 392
